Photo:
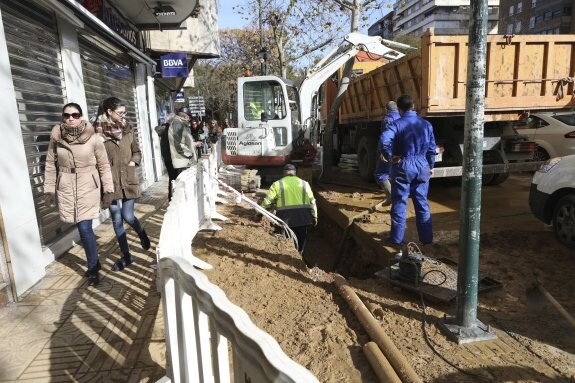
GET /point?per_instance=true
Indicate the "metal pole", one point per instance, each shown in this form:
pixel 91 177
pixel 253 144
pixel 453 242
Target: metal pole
pixel 470 216
pixel 465 327
pixel 262 69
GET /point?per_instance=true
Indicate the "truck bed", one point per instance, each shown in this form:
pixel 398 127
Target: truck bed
pixel 523 73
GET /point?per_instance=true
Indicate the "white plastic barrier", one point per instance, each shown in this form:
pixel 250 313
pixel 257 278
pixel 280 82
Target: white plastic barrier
pixel 201 324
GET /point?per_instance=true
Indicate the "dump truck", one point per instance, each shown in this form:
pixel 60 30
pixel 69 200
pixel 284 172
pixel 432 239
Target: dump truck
pixel 525 73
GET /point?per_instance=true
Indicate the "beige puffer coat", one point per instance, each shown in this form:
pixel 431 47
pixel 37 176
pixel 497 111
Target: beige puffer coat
pixel 120 154
pixel 75 171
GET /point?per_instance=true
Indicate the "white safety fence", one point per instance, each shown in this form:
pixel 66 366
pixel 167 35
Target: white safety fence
pixel 203 328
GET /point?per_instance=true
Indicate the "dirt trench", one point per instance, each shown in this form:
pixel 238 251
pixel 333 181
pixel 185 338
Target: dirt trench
pixel 261 272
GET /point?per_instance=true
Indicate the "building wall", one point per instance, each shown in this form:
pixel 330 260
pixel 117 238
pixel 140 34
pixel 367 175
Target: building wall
pixel 537 17
pixel 199 38
pixel 27 253
pixel 414 17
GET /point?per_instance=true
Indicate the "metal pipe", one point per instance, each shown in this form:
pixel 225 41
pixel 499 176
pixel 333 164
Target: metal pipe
pixel 379 363
pixel 375 331
pixel 470 215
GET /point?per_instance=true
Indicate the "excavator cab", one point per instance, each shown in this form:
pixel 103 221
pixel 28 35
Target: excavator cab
pixel 267 110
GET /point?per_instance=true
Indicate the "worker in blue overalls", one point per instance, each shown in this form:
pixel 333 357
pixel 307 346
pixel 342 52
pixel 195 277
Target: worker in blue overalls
pixel 383 167
pixel 409 144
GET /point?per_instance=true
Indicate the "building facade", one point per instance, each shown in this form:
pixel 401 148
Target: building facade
pixel 383 27
pixel 537 17
pixel 414 17
pixel 53 52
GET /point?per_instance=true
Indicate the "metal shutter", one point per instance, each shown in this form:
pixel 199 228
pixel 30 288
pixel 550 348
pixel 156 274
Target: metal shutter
pixel 36 65
pixel 107 73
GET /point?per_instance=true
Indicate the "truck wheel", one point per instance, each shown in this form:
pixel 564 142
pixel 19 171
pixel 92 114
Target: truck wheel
pixel 564 221
pixel 495 179
pixel 366 159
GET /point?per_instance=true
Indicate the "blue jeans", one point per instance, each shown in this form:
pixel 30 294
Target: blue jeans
pixel 89 241
pixel 123 210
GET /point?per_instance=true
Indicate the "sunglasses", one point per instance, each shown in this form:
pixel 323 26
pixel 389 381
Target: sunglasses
pixel 75 116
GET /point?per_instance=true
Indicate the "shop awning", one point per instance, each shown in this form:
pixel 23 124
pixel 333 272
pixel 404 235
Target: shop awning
pixel 157 15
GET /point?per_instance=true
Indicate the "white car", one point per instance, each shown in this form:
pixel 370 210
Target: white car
pixel 552 197
pixel 553 132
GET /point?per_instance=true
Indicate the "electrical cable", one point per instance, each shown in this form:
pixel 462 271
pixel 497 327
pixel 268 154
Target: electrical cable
pixel 288 233
pixel 414 249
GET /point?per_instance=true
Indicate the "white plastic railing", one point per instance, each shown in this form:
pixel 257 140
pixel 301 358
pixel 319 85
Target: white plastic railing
pixel 202 326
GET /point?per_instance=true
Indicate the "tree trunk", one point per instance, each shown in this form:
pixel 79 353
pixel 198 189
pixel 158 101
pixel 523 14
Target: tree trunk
pixel 343 84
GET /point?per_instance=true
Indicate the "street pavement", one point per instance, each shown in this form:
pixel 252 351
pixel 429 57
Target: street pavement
pixel 62 330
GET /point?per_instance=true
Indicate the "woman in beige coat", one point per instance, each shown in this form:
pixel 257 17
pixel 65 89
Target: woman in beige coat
pixel 77 168
pixel 124 155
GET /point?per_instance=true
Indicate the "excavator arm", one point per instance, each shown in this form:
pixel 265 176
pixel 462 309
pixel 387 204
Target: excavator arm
pixel 353 43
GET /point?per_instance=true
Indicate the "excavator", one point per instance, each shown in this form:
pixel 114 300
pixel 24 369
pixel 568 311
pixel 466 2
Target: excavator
pixel 278 122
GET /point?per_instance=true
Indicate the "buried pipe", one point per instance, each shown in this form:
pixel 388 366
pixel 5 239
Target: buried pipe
pixel 376 333
pixel 379 363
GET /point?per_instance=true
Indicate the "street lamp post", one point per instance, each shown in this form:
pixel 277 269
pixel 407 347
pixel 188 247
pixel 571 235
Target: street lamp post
pixel 263 55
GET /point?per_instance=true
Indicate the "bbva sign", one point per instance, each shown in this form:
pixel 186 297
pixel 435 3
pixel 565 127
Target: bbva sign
pixel 174 65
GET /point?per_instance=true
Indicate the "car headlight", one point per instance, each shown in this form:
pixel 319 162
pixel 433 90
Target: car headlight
pixel 549 164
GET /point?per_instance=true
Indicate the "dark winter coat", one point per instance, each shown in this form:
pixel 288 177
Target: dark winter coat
pixel 120 154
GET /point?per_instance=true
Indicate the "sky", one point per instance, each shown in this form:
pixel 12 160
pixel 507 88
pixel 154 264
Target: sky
pixel 229 19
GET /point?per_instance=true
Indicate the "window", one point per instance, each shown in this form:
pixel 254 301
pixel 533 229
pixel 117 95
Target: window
pixel 263 97
pixel 510 29
pixel 519 7
pixel 547 15
pixel 511 9
pixel 568 119
pixel 532 22
pixel 536 122
pixel 533 3
pixel 518 27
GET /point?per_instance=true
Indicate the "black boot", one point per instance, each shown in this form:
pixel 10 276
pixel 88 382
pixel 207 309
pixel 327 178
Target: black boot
pixel 124 262
pixel 93 278
pixel 144 240
pixel 97 268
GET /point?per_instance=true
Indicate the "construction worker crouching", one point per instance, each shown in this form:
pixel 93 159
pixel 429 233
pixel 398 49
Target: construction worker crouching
pixel 294 202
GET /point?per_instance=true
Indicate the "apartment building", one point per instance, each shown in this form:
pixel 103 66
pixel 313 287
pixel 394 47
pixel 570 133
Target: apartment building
pixel 383 27
pixel 414 17
pixel 536 17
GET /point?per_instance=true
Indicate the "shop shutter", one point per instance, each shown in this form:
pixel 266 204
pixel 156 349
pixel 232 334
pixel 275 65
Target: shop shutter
pixel 107 72
pixel 35 62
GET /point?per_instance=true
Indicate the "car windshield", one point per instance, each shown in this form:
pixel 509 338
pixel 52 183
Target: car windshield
pixel 567 119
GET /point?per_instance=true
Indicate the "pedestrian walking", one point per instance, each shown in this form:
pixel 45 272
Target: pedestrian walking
pixel 182 144
pixel 124 155
pixel 383 167
pixel 199 138
pixel 77 168
pixel 162 131
pixel 294 203
pixel 409 144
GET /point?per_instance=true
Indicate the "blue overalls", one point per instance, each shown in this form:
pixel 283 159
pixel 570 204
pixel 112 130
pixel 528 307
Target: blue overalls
pixel 383 168
pixel 411 139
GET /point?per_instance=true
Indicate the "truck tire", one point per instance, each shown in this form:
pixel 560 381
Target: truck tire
pixel 564 221
pixel 366 158
pixel 495 179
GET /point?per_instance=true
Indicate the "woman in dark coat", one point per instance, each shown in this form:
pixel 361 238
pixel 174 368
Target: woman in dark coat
pixel 124 155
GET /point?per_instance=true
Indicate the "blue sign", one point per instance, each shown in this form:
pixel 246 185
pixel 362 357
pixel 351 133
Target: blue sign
pixel 174 65
pixel 180 97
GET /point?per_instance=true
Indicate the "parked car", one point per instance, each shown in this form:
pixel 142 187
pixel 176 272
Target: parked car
pixel 553 132
pixel 552 197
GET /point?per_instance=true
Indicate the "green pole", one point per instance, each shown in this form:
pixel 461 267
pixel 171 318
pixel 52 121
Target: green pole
pixel 470 215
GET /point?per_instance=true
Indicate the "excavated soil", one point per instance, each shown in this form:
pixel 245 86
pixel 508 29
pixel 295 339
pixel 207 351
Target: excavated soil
pixel 302 309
